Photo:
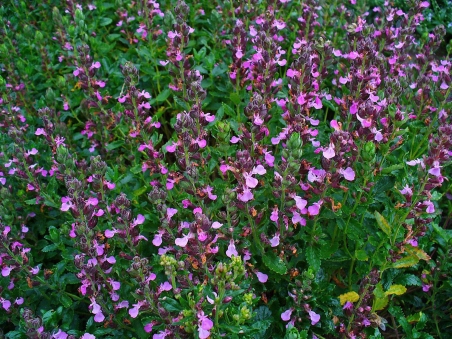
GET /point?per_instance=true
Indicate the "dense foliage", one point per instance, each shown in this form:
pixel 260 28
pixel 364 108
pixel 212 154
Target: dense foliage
pixel 225 169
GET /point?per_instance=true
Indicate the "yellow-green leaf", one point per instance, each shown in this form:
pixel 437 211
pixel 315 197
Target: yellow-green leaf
pixel 361 255
pixel 417 252
pixel 408 261
pixel 414 318
pixel 382 223
pixel 381 300
pixel 349 296
pixel 396 289
pixel 139 191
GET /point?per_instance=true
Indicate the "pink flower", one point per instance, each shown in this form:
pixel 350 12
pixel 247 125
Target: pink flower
pixel 315 318
pixel 329 152
pixel 204 325
pixel 216 225
pixel 348 173
pixel 348 306
pixel 148 328
pixel 275 240
pixel 287 314
pixel 354 108
pixel 430 207
pixel 262 277
pixel 6 304
pixel 246 195
pixel 182 242
pixel 315 208
pixel 232 251
pixel 300 202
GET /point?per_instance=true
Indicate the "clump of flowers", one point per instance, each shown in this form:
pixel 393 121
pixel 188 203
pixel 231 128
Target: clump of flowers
pixel 252 169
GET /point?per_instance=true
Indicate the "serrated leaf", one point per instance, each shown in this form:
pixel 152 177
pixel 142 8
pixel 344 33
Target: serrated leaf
pixel 54 234
pixel 396 289
pixel 349 296
pixel 275 263
pixel 414 318
pixel 408 280
pixel 171 305
pixel 66 301
pixel 380 303
pixel 262 313
pixel 361 255
pixel 313 258
pixel 14 335
pixel 407 261
pixel 382 223
pixel 418 252
pixel 381 300
pixel 49 248
pixel 31 201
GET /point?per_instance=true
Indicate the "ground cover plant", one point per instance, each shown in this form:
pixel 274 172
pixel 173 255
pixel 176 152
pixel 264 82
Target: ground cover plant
pixel 225 169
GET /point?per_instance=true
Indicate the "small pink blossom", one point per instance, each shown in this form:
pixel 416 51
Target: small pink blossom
pixel 315 318
pixel 232 251
pixel 285 316
pixel 262 277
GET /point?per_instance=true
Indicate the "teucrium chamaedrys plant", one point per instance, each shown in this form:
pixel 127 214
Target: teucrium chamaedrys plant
pixel 201 170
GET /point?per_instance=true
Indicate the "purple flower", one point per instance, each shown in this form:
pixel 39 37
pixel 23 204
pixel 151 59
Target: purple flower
pixel 166 286
pixel 262 277
pixel 60 335
pixel 148 328
pixel 232 251
pixel 315 318
pixel 348 173
pixel 6 304
pixel 246 195
pixel 287 314
pixel 348 306
pixel 204 325
pixel 88 336
pixel 430 207
pixel 329 152
pixel 275 240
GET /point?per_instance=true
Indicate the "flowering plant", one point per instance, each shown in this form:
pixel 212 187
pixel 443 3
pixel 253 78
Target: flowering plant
pixel 248 169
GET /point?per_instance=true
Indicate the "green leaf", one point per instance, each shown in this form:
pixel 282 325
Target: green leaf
pixel 275 263
pixel 235 98
pixel 171 305
pixel 50 319
pixel 262 313
pixel 181 103
pixel 408 280
pixel 66 301
pixel 163 95
pixel 381 300
pixel 407 261
pixel 49 248
pixel 15 335
pixel 361 255
pixel 54 234
pixel 313 258
pixel 31 201
pixel 105 21
pixel 139 191
pixel 382 223
pixel 114 145
pixel 396 289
